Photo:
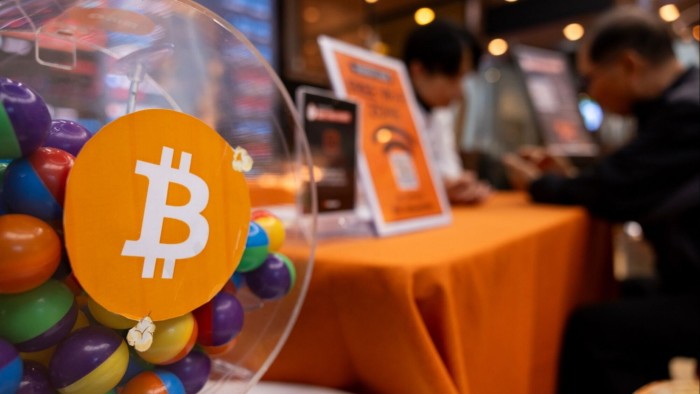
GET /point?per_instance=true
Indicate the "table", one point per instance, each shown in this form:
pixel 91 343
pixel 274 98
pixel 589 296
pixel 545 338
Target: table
pixel 475 307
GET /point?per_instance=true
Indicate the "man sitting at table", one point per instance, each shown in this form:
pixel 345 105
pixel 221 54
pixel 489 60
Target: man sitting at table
pixel 438 56
pixel 630 67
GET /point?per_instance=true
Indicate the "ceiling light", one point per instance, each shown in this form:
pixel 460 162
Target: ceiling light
pixel 573 31
pixel 498 47
pixel 424 15
pixel 669 12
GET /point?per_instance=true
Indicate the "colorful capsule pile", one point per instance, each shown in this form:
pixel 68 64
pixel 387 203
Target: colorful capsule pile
pixel 53 336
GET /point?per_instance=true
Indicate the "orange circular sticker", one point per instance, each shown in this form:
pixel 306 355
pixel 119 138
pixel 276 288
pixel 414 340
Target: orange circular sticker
pixel 156 217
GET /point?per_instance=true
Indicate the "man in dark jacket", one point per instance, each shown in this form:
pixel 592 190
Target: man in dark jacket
pixel 630 68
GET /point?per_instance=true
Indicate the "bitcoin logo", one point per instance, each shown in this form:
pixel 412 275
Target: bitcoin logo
pixel 156 216
pixel 156 210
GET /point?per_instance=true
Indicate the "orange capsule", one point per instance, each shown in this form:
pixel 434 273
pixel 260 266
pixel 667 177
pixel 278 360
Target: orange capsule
pixel 30 251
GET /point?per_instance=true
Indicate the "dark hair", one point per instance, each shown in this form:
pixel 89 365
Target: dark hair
pixel 630 28
pixel 439 47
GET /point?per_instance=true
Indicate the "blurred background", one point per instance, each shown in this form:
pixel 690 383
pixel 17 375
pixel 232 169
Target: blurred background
pixel 382 24
pixel 502 111
pixel 499 115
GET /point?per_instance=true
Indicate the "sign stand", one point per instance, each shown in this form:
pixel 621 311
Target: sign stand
pixel 396 172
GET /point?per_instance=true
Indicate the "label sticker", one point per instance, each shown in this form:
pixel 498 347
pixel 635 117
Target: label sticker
pixel 156 217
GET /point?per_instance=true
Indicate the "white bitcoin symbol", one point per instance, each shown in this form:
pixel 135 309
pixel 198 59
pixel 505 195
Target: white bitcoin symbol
pixel 156 210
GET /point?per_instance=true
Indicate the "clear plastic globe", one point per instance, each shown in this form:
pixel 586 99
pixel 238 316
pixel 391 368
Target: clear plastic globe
pixel 95 61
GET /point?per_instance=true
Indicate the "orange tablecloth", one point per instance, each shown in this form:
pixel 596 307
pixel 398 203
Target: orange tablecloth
pixel 476 307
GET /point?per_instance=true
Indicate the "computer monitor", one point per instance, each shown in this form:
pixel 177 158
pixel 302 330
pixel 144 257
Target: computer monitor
pixel 554 101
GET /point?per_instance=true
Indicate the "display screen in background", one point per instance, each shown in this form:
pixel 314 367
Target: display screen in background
pixel 554 100
pixel 591 112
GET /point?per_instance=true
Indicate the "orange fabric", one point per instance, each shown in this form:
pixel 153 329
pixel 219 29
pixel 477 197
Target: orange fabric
pixel 475 307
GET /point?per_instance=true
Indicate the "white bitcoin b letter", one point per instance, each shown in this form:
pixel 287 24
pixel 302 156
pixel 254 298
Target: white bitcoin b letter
pixel 156 210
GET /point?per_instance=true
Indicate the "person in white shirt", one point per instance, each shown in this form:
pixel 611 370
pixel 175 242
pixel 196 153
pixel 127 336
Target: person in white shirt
pixel 438 56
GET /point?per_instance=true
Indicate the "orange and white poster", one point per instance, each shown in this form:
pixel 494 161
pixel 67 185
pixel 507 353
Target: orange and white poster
pixel 395 169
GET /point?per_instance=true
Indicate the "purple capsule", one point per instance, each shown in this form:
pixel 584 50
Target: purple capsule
pixel 273 279
pixel 193 370
pixel 35 379
pixel 24 119
pixel 67 135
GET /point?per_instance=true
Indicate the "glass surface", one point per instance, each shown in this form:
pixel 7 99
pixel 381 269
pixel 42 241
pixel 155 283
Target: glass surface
pixel 95 60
